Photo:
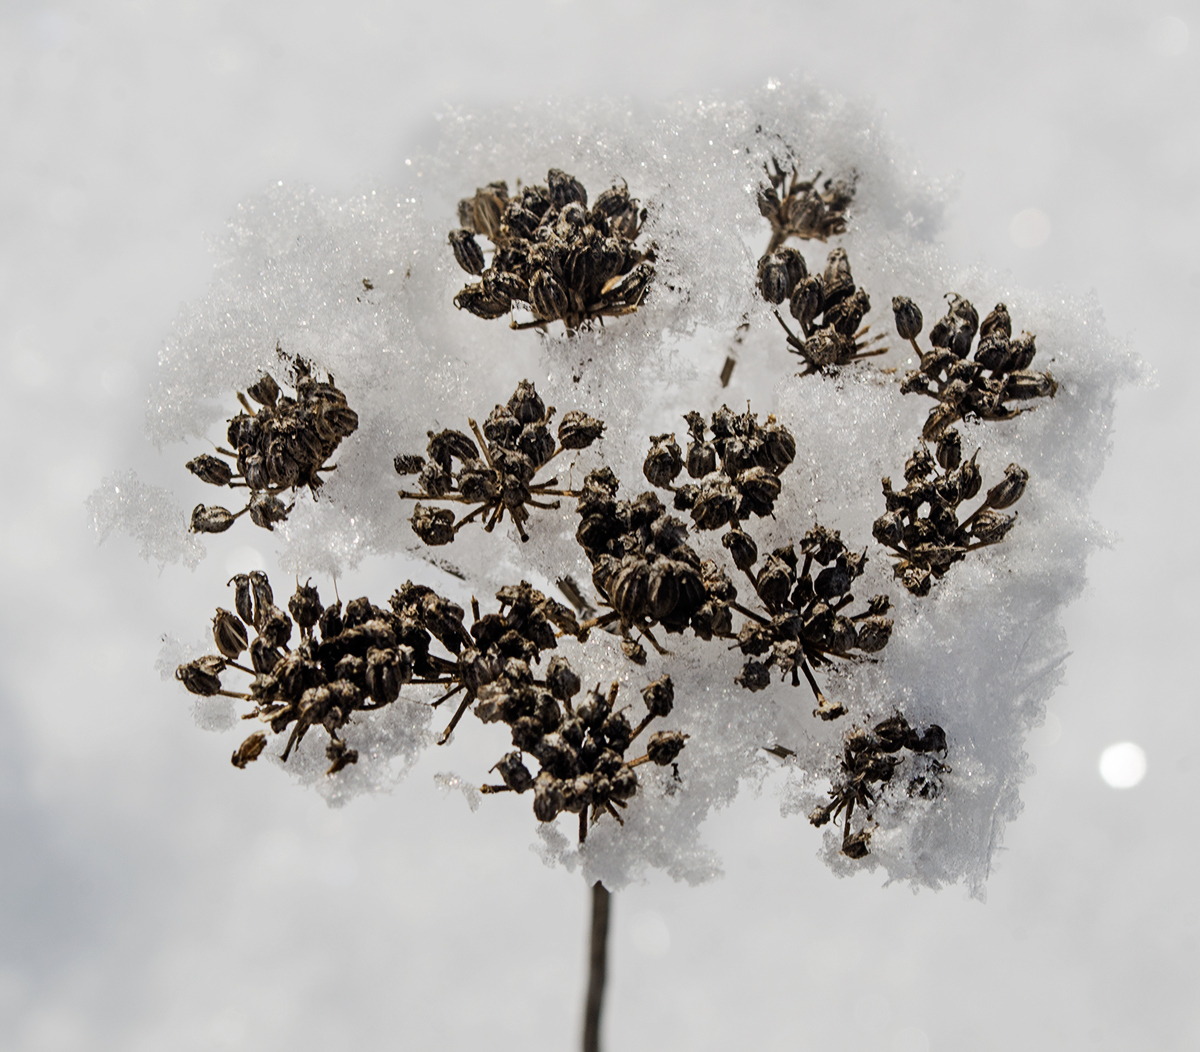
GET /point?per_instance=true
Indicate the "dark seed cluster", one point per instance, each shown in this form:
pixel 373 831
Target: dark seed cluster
pixel 646 571
pixel 983 387
pixel 870 758
pixel 797 208
pixel 281 446
pixel 365 654
pixel 829 307
pixel 927 544
pixel 808 622
pixel 566 261
pixel 497 475
pixel 580 747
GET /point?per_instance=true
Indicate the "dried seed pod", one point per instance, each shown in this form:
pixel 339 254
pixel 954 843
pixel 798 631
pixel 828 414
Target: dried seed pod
pixel 1022 384
pixel 837 282
pixel 701 459
pixel 565 189
pixel 664 461
pixel 202 675
pixel 211 519
pixel 229 634
pixel 433 525
pixel 715 504
pixel 548 798
pixel 797 269
pixel 949 450
pixel 210 469
pixel 908 317
pixel 755 676
pixel 779 446
pixel 514 773
pixel 659 696
pixel 242 601
pixel 577 430
pixel 874 632
pixel 467 252
pixel 991 527
pixel 774 280
pixel 742 548
pixel 807 300
pixel 266 510
pixel 1008 490
pixel 664 746
pixel 547 296
pixel 386 670
pixel 263 656
pixel 249 750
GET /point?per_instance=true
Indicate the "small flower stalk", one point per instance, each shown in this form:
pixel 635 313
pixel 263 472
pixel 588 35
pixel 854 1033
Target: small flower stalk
pixel 551 252
pixel 277 448
pixel 797 208
pixel 869 761
pixel 982 387
pixel 497 475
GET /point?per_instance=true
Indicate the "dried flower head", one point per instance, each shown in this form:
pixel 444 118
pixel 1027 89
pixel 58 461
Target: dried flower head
pixel 565 261
pixel 869 760
pixel 927 543
pixel 282 445
pixel 829 308
pixel 497 475
pixel 998 375
pixel 796 208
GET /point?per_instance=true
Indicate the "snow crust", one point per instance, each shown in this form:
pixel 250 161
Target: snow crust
pixel 979 656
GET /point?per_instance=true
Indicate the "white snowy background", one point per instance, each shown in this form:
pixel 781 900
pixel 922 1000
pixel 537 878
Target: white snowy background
pixel 151 897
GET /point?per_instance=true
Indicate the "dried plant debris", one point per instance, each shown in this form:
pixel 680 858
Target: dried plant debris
pixel 796 208
pixel 828 306
pixel 565 261
pixel 365 654
pixel 497 475
pixel 870 758
pixel 927 545
pixel 999 374
pixel 648 574
pixel 277 448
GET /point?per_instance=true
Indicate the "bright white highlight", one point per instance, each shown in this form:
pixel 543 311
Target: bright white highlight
pixel 1123 765
pixel 1029 228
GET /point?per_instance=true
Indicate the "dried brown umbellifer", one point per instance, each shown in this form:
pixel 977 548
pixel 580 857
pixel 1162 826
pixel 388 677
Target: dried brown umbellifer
pixel 497 475
pixel 282 445
pixel 551 252
pixel 869 761
pixel 983 387
pixel 797 208
pixel 927 543
pixel 829 308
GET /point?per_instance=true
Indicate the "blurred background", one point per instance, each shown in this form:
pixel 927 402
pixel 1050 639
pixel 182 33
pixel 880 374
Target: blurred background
pixel 151 898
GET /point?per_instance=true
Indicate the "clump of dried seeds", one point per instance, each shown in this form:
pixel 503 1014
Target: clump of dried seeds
pixel 926 545
pixel 796 208
pixel 998 375
pixel 566 261
pixel 279 447
pixel 870 758
pixel 497 475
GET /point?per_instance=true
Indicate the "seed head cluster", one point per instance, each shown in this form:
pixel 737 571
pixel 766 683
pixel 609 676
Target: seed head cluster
pixel 829 307
pixel 796 208
pixel 497 475
pixel 870 758
pixel 279 447
pixel 566 261
pixel 926 545
pixel 983 387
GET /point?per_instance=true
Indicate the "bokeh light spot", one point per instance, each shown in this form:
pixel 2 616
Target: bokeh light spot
pixel 1123 765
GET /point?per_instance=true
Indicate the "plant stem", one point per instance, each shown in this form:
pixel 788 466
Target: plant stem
pixel 597 969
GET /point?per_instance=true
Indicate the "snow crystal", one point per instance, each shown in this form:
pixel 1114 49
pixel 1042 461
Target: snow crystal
pixel 362 287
